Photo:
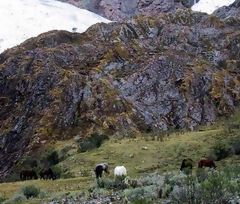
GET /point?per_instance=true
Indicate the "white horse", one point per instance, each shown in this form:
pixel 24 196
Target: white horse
pixel 120 171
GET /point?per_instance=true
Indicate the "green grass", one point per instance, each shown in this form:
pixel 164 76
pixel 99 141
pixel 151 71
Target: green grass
pixel 160 156
pixel 49 186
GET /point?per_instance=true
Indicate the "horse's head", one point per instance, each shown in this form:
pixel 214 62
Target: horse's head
pixel 106 168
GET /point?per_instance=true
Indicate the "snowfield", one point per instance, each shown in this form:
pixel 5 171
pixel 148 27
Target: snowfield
pixel 209 6
pixel 22 19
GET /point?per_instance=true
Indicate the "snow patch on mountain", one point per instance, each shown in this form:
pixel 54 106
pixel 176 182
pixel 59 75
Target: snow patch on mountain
pixel 209 6
pixel 22 19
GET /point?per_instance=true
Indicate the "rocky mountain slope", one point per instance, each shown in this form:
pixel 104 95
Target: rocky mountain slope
pixel 167 71
pixel 123 9
pixel 229 11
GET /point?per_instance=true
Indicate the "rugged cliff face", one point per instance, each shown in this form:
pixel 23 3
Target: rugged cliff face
pixel 229 11
pixel 118 10
pixel 171 71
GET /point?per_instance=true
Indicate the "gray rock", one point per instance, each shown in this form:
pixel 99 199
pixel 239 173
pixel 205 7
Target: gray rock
pixel 119 10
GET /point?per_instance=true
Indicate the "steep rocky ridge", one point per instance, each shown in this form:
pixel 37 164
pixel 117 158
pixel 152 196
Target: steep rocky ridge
pixel 168 71
pixel 229 11
pixel 118 10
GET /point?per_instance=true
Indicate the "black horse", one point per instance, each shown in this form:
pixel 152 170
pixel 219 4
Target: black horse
pixel 47 174
pixel 100 168
pixel 28 175
pixel 187 165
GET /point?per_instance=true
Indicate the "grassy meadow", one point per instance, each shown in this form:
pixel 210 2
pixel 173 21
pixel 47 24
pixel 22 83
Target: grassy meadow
pixel 141 154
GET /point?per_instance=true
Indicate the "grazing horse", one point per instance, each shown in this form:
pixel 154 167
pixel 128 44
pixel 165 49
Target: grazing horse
pixel 206 163
pixel 28 175
pixel 47 174
pixel 100 168
pixel 186 164
pixel 120 171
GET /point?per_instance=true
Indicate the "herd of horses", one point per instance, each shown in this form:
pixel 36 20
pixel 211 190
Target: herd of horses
pixel 103 167
pixel 31 174
pixel 121 170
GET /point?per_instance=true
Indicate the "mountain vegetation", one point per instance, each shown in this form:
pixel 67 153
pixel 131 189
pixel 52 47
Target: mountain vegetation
pixel 145 93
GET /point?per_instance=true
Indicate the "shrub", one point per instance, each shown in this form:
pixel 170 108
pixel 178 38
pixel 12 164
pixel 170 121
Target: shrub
pixel 143 201
pixel 30 191
pixel 236 147
pixel 146 193
pixel 16 198
pixel 214 187
pixel 152 179
pixel 29 162
pixel 2 198
pixel 57 171
pixel 64 152
pixel 201 175
pixel 220 151
pixel 42 194
pixel 111 184
pixel 51 158
pixel 94 141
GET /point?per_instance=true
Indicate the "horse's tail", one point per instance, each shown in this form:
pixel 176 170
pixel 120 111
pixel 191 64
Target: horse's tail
pixel 200 164
pixel 183 165
pixel 35 175
pixel 21 175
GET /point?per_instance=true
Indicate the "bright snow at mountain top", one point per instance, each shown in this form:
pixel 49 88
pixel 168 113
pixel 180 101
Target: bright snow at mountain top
pixel 209 6
pixel 22 19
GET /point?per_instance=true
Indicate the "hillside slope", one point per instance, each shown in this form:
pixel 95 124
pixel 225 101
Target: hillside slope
pixel 171 71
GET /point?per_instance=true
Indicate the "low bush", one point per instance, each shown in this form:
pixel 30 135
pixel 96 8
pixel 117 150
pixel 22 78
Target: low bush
pixel 235 144
pixel 30 191
pixel 94 141
pixel 16 198
pixel 146 194
pixel 2 198
pixel 50 158
pixel 220 151
pixel 57 171
pixel 111 184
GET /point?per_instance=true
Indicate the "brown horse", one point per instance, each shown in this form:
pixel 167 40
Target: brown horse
pixel 47 174
pixel 28 175
pixel 206 163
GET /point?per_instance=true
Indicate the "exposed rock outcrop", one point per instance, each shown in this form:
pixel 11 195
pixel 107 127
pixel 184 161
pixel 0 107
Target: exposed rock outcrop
pixel 118 10
pixel 169 71
pixel 229 11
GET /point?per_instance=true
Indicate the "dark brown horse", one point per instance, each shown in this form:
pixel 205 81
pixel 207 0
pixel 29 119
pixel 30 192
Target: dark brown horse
pixel 47 174
pixel 206 163
pixel 186 164
pixel 100 168
pixel 28 175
